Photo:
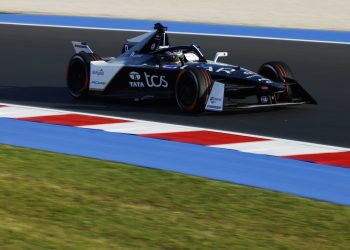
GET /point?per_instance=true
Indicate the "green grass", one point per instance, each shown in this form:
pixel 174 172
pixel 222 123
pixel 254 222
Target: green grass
pixel 54 201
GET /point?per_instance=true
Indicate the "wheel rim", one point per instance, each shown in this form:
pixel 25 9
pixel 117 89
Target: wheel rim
pixel 187 90
pixel 77 77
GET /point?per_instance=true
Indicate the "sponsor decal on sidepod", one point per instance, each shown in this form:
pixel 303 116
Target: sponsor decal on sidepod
pixel 151 80
pixel 98 72
pixel 135 77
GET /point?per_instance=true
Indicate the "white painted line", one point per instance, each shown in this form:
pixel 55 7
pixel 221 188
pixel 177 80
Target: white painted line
pixel 279 148
pixel 184 33
pixel 141 127
pixel 22 112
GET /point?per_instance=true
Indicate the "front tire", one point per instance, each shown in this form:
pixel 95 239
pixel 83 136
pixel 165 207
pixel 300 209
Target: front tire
pixel 278 72
pixel 192 89
pixel 78 74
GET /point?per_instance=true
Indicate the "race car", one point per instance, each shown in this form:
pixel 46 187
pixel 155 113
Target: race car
pixel 149 68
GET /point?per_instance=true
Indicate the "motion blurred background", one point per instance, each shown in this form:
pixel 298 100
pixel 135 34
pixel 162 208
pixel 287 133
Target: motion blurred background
pixel 310 14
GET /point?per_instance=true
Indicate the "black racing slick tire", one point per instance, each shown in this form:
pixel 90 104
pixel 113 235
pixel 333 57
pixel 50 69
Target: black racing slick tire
pixel 192 89
pixel 78 74
pixel 278 72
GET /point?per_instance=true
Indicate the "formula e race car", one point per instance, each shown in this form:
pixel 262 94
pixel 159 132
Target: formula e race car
pixel 149 68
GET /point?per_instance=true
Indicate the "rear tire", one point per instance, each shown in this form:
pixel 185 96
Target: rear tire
pixel 78 74
pixel 277 72
pixel 192 89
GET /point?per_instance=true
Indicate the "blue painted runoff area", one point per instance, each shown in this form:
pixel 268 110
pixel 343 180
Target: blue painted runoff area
pixel 180 27
pixel 295 177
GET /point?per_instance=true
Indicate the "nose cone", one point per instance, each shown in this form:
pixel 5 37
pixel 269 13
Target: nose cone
pixel 271 87
pixel 281 87
pixel 277 86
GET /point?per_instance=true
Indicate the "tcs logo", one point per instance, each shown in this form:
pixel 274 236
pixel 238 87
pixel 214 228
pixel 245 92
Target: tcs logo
pixel 155 81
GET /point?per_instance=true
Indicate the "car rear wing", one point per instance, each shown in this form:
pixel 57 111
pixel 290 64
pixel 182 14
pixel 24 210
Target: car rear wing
pixel 81 47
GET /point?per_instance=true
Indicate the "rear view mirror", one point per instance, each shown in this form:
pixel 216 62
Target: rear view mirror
pixel 220 54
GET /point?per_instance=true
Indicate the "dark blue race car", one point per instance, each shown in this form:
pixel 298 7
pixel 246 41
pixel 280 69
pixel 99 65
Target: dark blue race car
pixel 149 68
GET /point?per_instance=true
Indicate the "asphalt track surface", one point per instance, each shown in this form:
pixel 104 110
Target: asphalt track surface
pixel 34 59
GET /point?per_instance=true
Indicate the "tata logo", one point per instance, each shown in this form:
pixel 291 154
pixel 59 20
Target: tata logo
pixel 98 72
pixel 134 76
